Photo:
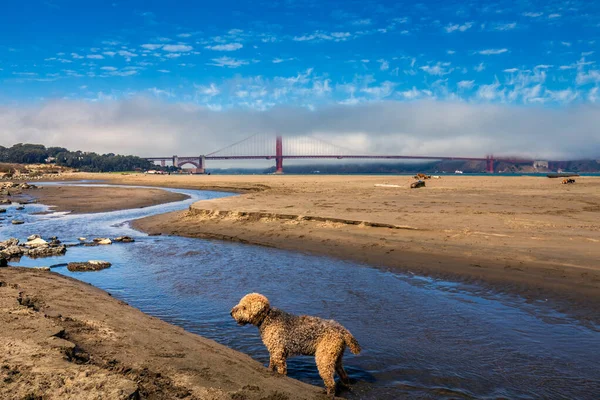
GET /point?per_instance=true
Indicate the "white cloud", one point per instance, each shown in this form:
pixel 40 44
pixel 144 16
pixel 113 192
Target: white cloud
pixel 491 92
pixel 566 44
pixel 95 56
pixel 109 68
pixel 593 95
pixel 511 70
pixel 77 56
pixel 210 91
pixel 505 27
pixel 320 35
pixel 466 85
pixel 555 15
pixel 439 69
pixel 151 46
pixel 562 96
pixel 379 92
pixel 175 48
pixel 124 73
pixel 479 67
pixel 362 22
pixel 184 35
pixel 488 52
pixel 411 94
pixel 450 52
pixel 457 27
pixel 109 53
pixel 161 92
pixel 384 65
pixel 226 47
pixel 533 14
pixel 164 71
pixel 592 76
pixel 228 62
pixel 280 60
pixel 126 53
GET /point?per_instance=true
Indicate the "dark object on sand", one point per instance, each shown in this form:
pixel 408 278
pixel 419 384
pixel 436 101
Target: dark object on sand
pixel 568 181
pixel 417 184
pixel 560 175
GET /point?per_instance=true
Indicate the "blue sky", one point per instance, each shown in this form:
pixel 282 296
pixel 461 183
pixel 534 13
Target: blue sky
pixel 261 56
pixel 306 53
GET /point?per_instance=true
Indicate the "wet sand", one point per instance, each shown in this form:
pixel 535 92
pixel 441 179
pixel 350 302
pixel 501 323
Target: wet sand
pixel 101 199
pixel 61 338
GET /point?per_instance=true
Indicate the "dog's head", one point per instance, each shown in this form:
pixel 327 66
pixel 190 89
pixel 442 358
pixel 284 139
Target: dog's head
pixel 251 309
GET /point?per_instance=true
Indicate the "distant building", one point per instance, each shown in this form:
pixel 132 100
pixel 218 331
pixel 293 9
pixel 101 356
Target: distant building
pixel 540 164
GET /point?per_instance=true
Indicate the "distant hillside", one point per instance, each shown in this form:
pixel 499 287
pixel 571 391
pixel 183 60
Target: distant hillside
pixel 85 161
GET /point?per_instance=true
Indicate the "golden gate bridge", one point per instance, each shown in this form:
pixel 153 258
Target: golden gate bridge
pixel 263 147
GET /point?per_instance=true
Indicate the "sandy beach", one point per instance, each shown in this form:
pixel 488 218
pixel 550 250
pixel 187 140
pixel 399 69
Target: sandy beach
pixel 529 235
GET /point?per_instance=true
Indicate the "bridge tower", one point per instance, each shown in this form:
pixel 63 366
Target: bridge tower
pixel 175 161
pixel 201 165
pixel 279 155
pixel 489 164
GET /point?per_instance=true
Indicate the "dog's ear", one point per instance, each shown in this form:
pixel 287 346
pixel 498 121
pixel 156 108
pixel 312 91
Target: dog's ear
pixel 260 309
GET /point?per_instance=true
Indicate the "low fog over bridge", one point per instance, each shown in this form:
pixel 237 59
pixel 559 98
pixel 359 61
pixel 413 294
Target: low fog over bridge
pixel 260 147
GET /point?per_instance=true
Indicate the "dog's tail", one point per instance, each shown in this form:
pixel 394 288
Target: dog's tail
pixel 351 342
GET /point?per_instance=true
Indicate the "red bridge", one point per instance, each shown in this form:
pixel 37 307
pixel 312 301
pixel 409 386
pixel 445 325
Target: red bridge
pixel 257 148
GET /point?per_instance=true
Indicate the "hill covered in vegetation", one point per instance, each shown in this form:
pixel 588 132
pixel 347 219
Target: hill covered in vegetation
pixel 84 161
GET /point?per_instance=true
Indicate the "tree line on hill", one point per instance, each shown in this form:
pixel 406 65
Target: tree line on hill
pixel 84 161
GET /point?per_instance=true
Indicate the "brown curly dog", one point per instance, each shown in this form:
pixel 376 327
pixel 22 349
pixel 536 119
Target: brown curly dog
pixel 286 335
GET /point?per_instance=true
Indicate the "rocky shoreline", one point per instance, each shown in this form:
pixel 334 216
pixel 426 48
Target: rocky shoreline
pixel 35 247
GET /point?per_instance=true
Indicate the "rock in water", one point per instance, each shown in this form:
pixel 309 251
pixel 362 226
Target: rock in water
pixel 102 241
pixel 8 243
pixel 32 237
pixel 124 239
pixel 92 265
pixel 45 251
pixel 17 222
pixel 2 210
pixel 3 262
pixel 36 242
pixel 12 251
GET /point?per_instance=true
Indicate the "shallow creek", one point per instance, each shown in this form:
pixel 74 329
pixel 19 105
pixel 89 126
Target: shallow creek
pixel 421 338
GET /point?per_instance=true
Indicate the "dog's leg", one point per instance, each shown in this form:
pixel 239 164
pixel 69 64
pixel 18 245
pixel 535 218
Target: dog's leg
pixel 326 359
pixel 278 361
pixel 339 368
